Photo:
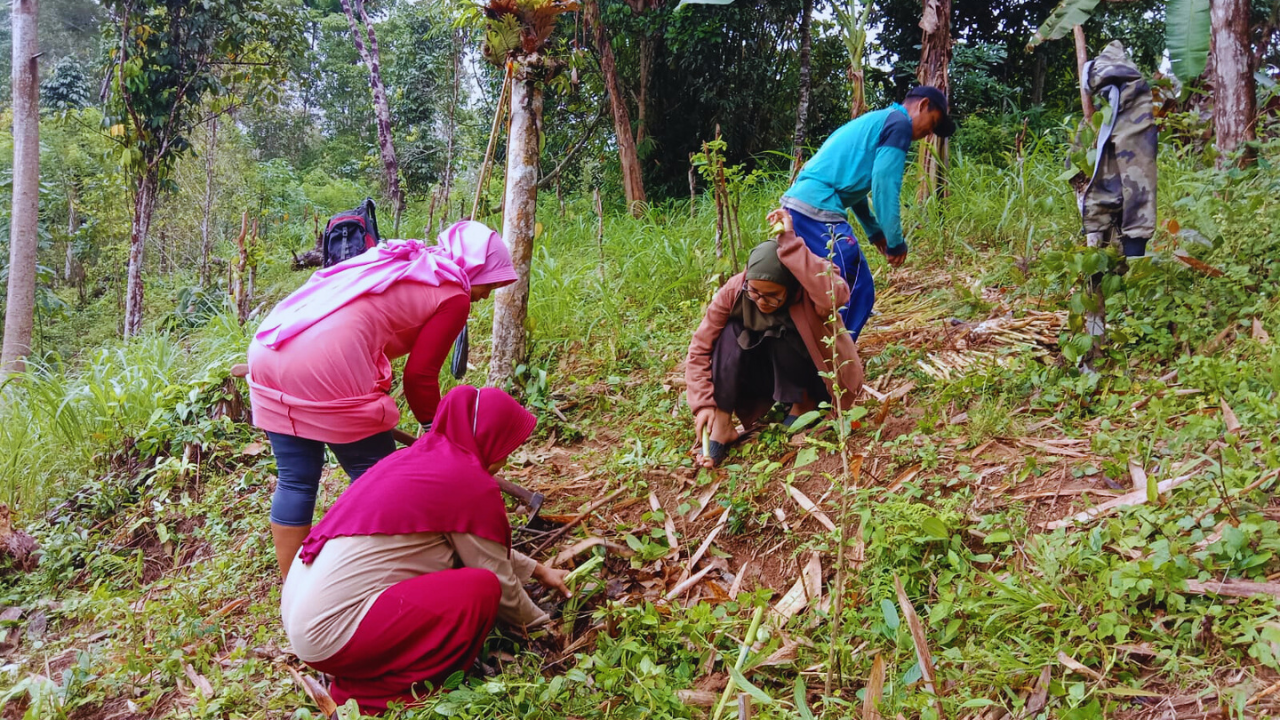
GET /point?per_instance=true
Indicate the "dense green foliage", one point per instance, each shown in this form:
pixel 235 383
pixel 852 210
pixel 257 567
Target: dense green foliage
pixel 134 466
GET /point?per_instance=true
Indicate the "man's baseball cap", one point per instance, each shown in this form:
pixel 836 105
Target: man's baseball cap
pixel 937 100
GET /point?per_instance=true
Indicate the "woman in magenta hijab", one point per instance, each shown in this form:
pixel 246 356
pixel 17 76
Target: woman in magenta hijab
pixel 320 364
pixel 400 583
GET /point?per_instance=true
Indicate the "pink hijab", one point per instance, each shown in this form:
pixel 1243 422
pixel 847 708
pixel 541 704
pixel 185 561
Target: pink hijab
pixel 467 253
pixel 439 484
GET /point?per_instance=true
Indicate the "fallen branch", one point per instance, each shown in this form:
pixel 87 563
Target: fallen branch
pixel 1233 588
pixel 561 532
pixel 1271 689
pixel 1270 475
pixel 578 548
pixel 1063 493
pixel 711 536
pixel 1136 497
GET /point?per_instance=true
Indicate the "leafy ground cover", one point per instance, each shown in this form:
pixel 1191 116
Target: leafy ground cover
pixel 1014 537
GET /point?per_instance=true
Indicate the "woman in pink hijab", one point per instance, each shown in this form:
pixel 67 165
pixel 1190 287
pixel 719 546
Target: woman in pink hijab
pixel 320 364
pixel 398 586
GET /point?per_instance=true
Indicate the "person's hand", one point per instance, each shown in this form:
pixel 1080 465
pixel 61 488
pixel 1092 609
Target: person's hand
pixel 883 247
pixel 702 421
pixel 781 216
pixel 552 579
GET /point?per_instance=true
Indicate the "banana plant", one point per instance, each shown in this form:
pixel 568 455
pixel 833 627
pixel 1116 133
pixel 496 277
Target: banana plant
pixel 1186 31
pixel 852 21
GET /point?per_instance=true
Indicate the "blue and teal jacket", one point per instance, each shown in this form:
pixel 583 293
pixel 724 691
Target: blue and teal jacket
pixel 867 156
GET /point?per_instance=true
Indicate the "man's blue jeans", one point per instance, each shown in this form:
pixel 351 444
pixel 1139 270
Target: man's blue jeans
pixel 299 462
pixel 847 256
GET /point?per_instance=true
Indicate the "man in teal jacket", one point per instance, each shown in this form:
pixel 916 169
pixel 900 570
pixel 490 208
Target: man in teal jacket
pixel 863 160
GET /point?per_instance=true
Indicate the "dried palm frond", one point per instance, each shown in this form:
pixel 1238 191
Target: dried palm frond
pixel 917 321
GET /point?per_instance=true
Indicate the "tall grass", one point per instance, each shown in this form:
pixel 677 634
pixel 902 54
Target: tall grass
pixel 633 297
pixel 58 420
pixel 622 302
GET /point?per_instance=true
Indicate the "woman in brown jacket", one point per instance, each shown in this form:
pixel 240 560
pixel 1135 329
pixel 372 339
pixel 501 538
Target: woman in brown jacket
pixel 767 338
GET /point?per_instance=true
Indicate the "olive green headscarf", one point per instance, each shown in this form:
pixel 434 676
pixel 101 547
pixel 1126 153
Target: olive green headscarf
pixel 764 264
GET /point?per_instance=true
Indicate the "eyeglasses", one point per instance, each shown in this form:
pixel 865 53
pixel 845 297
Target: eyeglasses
pixel 771 299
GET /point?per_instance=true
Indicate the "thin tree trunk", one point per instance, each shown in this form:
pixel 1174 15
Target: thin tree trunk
pixel 1038 76
pixel 693 189
pixel 648 48
pixel 511 303
pixel 239 269
pixel 73 224
pixel 1234 93
pixel 482 180
pixel 20 302
pixel 382 109
pixel 452 130
pixel 632 180
pixel 595 193
pixel 206 238
pixel 1082 57
pixel 935 57
pixel 144 203
pixel 802 107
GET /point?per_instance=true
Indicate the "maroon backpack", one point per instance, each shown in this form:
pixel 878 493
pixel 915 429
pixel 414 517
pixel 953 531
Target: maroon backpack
pixel 350 233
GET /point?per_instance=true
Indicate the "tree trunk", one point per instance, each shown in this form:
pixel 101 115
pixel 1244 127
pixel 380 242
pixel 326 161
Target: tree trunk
pixel 239 270
pixel 452 129
pixel 511 303
pixel 648 47
pixel 206 238
pixel 1082 57
pixel 1038 76
pixel 632 181
pixel 802 107
pixel 144 202
pixel 70 266
pixel 935 57
pixel 1234 93
pixel 23 239
pixel 382 109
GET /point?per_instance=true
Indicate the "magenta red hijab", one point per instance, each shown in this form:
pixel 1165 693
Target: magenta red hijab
pixel 440 483
pixel 467 253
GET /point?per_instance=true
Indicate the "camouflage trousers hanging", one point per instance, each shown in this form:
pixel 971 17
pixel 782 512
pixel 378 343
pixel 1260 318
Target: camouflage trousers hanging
pixel 1121 195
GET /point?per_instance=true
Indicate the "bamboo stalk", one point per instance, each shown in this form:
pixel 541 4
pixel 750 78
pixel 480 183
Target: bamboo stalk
pixel 493 138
